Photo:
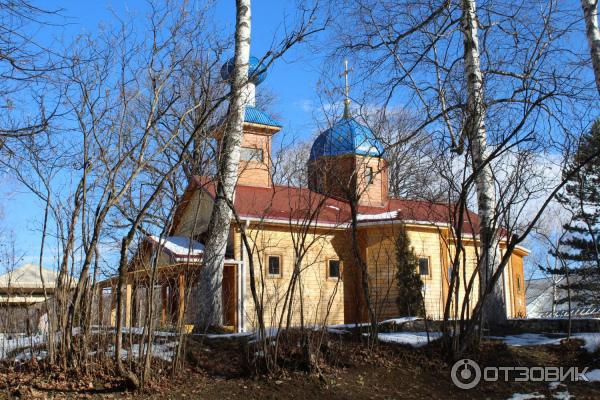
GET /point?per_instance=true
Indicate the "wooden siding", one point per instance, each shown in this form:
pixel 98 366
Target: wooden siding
pixel 382 266
pixel 344 298
pixel 322 299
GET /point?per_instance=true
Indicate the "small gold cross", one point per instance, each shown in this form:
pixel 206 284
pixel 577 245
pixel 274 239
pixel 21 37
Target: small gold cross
pixel 347 89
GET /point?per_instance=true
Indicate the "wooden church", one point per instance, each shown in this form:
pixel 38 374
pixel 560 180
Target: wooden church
pixel 305 233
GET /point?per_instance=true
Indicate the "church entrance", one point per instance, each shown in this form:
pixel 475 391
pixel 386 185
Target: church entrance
pixel 230 295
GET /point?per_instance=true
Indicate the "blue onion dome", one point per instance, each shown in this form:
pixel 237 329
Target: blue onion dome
pixel 345 137
pixel 254 67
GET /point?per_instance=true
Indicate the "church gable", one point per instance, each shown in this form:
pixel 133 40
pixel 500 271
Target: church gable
pixel 194 210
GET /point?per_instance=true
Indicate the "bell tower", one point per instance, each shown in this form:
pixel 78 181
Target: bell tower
pixel 346 160
pixel 255 157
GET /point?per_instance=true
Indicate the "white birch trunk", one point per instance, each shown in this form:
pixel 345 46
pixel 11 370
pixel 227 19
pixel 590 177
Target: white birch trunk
pixel 493 307
pixel 211 276
pixel 590 14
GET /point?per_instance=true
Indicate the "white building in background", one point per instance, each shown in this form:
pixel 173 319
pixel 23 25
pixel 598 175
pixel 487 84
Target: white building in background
pixel 23 286
pixel 548 298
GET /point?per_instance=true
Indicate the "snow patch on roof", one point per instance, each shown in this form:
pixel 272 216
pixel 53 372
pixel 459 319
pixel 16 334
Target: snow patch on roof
pixel 378 217
pixel 180 247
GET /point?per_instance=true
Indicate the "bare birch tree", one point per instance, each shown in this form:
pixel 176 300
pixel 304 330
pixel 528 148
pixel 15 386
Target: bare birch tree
pixel 211 277
pixel 228 154
pixel 474 129
pixel 590 15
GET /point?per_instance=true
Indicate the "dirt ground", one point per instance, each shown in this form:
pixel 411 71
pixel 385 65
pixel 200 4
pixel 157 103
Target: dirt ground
pixel 216 370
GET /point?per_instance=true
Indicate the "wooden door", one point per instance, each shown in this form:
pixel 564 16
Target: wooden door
pixel 230 296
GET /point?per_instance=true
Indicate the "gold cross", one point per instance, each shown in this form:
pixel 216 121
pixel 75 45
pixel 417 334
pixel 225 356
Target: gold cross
pixel 347 89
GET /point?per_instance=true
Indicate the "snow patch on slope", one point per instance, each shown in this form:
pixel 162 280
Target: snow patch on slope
pixel 593 375
pixel 414 339
pixel 526 396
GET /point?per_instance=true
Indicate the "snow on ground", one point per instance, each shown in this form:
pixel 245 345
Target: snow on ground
pixel 563 395
pixel 591 340
pixel 227 335
pixel 593 375
pixel 269 333
pixel 9 345
pixel 136 330
pixel 554 385
pixel 342 326
pixel 164 351
pixel 27 345
pixel 414 339
pixel 140 331
pixel 528 339
pixel 336 331
pixel 27 354
pixel 526 396
pixel 400 320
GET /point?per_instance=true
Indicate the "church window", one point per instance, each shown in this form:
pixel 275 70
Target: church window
pixel 274 264
pixel 424 266
pixel 333 269
pixel 519 283
pixel 251 154
pixel 368 175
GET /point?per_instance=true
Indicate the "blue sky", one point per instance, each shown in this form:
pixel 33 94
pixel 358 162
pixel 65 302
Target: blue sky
pixel 291 80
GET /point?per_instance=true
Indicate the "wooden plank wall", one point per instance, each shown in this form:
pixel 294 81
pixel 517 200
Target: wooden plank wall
pixel 322 299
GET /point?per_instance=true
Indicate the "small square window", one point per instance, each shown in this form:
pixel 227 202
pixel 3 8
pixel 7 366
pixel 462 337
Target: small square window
pixel 251 154
pixel 274 265
pixel 368 175
pixel 333 270
pixel 424 266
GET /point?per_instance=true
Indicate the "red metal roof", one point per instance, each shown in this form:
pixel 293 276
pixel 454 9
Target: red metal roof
pixel 284 203
pixel 410 210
